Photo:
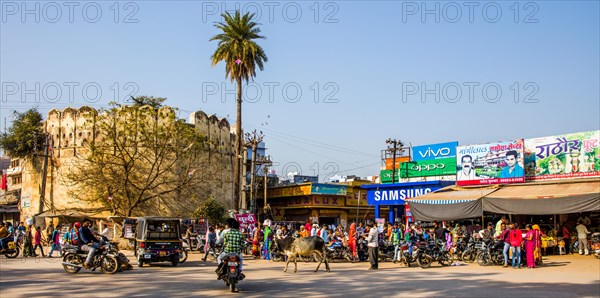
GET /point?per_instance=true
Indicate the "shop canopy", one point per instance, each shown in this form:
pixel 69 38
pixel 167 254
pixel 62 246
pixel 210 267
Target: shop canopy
pixel 536 198
pixel 450 203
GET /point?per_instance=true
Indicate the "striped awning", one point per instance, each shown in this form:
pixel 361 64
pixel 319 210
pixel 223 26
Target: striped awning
pixel 454 195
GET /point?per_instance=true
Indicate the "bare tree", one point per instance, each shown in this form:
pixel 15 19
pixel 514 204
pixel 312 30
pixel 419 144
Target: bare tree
pixel 141 157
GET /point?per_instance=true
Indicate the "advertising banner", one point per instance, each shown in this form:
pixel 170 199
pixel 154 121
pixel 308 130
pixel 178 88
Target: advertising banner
pixel 563 156
pixel 396 196
pixel 430 167
pixel 386 176
pixel 328 189
pixel 491 163
pixel 434 151
pixel 399 160
pixel 245 220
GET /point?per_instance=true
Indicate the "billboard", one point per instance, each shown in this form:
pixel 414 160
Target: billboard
pixel 430 167
pixel 491 163
pixel 434 151
pixel 397 196
pixel 563 156
pixel 386 176
pixel 399 160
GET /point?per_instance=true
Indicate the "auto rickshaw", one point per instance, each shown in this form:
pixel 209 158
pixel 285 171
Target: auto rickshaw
pixel 157 240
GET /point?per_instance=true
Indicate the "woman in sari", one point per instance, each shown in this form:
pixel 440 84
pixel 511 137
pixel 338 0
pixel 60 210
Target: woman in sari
pixel 530 244
pixel 537 253
pixel 256 241
pixel 352 240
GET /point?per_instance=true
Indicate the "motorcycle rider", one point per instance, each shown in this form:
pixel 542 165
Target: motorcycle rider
pixel 88 241
pixel 233 242
pixel 3 237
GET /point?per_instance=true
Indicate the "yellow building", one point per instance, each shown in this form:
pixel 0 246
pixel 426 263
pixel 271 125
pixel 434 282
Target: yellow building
pixel 323 203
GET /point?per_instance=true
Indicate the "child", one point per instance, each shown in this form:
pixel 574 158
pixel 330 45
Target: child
pixel 55 242
pixel 38 241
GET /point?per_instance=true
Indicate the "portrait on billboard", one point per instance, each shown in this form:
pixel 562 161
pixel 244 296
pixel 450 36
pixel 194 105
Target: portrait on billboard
pixel 491 163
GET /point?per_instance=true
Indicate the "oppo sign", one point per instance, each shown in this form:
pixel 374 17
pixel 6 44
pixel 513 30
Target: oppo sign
pixel 428 167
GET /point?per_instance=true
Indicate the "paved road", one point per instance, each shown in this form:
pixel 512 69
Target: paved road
pixel 562 276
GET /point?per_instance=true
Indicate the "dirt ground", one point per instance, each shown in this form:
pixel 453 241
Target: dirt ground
pixel 560 276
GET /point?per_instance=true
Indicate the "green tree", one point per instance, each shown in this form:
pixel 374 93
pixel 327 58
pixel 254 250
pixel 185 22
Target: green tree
pixel 25 137
pixel 213 210
pixel 242 55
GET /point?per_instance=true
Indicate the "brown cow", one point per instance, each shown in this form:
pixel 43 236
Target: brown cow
pixel 304 246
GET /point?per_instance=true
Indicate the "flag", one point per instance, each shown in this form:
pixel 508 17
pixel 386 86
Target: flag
pixel 4 185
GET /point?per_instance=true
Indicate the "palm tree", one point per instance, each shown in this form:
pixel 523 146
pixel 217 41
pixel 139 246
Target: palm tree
pixel 241 55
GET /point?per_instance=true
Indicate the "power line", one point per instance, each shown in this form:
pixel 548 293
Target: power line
pixel 316 143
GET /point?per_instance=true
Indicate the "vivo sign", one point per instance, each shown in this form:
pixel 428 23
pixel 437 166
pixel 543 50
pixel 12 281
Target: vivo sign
pixel 435 151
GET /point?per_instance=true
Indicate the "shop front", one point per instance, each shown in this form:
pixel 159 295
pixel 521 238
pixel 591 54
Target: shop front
pixel 393 196
pixel 321 203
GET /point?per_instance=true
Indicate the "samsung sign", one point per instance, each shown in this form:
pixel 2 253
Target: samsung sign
pixel 396 196
pixel 434 151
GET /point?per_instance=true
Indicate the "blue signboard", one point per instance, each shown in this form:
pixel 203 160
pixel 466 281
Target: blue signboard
pixel 328 189
pixel 396 196
pixel 434 151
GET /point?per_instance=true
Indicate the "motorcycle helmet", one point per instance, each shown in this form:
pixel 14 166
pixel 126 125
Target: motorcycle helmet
pixel 77 225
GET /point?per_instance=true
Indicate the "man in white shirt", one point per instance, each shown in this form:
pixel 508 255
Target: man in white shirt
pixel 373 244
pixel 467 172
pixel 105 231
pixel 582 232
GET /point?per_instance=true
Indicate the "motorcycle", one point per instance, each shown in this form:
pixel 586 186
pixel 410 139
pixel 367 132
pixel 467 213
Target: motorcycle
pixel 386 250
pixel 338 251
pixel 491 252
pixel 183 254
pixel 12 251
pixel 428 252
pixel 470 252
pixel 74 257
pixel 229 271
pixel 406 257
pixel 595 244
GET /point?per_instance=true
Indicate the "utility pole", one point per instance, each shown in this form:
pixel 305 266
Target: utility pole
pixel 393 146
pixel 252 140
pixel 44 174
pixel 266 161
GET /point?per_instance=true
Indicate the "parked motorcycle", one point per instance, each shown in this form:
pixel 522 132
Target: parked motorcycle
pixel 338 251
pixel 73 259
pixel 229 271
pixel 406 257
pixel 386 250
pixel 12 251
pixel 432 251
pixel 595 244
pixel 470 252
pixel 491 252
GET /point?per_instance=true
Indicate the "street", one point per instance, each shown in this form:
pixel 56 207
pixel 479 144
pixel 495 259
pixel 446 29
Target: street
pixel 561 276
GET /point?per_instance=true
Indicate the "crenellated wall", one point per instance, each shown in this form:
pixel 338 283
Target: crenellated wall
pixel 72 129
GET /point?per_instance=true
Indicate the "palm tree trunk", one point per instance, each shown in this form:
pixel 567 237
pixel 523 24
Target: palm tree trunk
pixel 238 147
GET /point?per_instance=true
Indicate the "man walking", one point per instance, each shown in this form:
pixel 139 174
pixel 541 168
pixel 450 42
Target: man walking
pixel 373 245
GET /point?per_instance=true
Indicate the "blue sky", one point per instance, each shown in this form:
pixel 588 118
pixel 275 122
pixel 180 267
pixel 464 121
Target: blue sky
pixel 362 55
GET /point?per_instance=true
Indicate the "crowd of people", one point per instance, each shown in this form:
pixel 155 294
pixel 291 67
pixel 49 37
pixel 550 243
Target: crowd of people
pixel 363 239
pixel 33 239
